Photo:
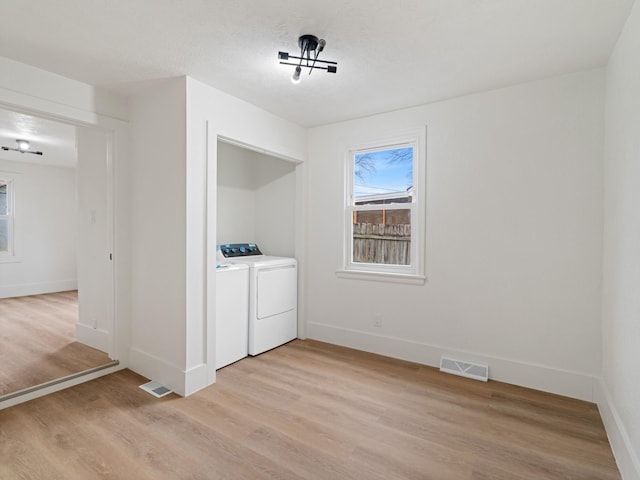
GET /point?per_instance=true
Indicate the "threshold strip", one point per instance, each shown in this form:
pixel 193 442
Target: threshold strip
pixel 51 383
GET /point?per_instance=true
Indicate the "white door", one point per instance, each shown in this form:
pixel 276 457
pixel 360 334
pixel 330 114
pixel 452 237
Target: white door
pixel 95 239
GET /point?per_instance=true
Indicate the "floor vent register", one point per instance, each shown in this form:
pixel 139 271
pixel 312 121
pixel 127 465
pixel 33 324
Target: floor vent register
pixel 156 389
pixel 464 369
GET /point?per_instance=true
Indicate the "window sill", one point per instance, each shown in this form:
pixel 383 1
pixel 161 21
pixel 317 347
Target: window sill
pixel 10 259
pixel 405 278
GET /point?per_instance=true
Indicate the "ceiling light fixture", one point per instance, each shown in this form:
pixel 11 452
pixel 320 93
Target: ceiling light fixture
pixel 310 48
pixel 23 147
pixel 295 78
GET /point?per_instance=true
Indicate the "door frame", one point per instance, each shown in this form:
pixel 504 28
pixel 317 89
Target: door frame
pixel 90 333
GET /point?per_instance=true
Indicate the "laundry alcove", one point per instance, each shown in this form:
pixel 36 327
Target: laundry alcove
pixel 256 200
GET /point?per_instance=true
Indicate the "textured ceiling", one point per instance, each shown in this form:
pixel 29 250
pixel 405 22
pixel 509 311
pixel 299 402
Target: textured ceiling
pixel 56 141
pixel 391 54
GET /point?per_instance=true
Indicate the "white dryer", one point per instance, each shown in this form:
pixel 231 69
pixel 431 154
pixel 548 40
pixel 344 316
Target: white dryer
pixel 273 295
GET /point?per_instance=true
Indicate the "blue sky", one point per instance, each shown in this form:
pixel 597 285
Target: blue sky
pixel 383 171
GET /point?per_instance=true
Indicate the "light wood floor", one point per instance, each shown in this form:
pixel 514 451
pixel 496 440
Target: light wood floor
pixel 37 341
pixel 307 410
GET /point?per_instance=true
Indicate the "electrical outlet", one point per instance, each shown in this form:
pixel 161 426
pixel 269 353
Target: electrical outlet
pixel 377 320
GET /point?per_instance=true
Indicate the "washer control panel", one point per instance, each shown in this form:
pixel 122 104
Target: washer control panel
pixel 231 250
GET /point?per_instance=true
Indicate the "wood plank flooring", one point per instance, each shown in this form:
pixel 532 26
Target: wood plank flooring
pixel 307 410
pixel 37 341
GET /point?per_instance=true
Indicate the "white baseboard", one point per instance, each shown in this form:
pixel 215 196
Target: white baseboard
pixel 93 337
pixel 626 458
pixel 561 382
pixel 26 289
pixel 196 379
pixel 182 382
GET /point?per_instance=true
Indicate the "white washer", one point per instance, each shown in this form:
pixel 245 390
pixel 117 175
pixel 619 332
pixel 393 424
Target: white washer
pixel 232 313
pixel 273 295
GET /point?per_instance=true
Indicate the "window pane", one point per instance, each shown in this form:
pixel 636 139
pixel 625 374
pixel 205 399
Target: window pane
pixel 4 205
pixel 382 237
pixel 4 235
pixel 383 176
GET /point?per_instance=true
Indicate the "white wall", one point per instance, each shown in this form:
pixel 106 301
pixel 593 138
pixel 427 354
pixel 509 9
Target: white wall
pixel 236 196
pixel 621 297
pixel 45 202
pixel 256 200
pixel 158 248
pixel 95 245
pixel 514 236
pixel 276 201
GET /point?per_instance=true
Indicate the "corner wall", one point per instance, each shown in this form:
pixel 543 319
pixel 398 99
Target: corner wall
pixel 210 114
pixel 175 125
pixel 620 399
pixel 513 242
pixel 158 240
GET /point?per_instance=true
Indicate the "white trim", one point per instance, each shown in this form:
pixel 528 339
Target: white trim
pixel 211 204
pixel 196 378
pixel 626 458
pixel 26 103
pixel 26 289
pixel 539 377
pixel 253 148
pixel 156 368
pixel 376 276
pixel 96 338
pixel 7 258
pixel 301 229
pixel 111 341
pixel 182 382
pixel 375 197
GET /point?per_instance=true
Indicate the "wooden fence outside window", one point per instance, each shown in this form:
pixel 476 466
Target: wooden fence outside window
pixel 382 244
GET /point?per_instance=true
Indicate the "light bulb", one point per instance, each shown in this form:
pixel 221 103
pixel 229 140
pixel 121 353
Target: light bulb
pixel 23 145
pixel 296 75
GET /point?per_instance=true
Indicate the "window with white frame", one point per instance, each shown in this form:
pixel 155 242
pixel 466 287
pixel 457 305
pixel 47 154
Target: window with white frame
pixel 384 208
pixel 6 218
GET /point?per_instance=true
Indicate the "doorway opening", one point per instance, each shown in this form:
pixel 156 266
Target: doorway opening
pixel 56 289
